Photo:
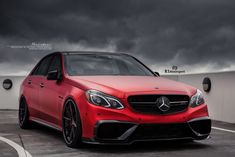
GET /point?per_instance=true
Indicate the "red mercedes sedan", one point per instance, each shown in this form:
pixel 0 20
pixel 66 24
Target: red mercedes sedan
pixel 110 98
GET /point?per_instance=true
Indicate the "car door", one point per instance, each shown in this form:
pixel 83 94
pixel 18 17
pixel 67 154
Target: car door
pixel 40 74
pixel 31 94
pixel 48 95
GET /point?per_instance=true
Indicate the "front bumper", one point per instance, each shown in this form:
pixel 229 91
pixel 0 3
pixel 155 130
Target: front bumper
pixel 121 132
pixel 103 125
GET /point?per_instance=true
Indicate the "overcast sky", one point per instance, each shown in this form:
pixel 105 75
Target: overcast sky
pixel 195 35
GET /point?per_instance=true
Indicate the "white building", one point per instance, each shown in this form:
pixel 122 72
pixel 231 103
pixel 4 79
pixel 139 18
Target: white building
pixel 220 100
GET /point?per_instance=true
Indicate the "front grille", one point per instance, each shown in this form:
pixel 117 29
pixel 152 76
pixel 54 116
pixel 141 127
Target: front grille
pixel 112 130
pixel 162 131
pixel 148 103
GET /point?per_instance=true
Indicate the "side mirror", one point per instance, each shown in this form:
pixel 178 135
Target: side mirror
pixel 157 73
pixel 54 75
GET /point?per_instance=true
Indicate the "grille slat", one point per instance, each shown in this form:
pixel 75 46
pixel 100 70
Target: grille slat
pixel 147 103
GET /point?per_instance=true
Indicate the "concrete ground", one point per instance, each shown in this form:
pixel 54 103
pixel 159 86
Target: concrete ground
pixel 44 142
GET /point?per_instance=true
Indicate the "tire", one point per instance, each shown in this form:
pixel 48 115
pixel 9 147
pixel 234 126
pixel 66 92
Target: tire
pixel 23 115
pixel 71 124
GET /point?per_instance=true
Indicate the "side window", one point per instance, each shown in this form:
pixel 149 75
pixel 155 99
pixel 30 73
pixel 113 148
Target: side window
pixel 55 64
pixel 43 66
pixel 35 71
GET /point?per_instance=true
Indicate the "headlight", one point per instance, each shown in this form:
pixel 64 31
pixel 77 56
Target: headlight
pixel 104 100
pixel 197 99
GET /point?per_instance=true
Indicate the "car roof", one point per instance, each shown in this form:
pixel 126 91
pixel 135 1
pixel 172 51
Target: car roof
pixel 86 53
pixel 92 53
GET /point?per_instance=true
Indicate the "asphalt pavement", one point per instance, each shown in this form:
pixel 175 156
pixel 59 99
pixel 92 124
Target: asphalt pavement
pixel 41 141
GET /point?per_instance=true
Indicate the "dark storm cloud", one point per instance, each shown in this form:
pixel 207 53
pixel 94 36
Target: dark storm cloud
pixel 192 31
pixel 182 32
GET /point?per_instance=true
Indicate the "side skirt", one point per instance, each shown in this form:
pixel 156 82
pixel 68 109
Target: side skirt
pixel 47 124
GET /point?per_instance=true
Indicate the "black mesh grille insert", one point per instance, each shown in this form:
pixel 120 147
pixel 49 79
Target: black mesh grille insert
pixel 112 130
pixel 201 126
pixel 148 103
pixel 162 131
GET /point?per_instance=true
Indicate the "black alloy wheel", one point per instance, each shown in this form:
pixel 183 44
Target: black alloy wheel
pixel 23 114
pixel 72 130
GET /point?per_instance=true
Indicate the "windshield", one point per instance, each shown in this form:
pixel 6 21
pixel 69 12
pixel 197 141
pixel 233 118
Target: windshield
pixel 98 64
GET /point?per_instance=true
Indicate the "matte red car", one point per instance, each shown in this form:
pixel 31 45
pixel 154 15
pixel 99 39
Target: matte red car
pixel 110 98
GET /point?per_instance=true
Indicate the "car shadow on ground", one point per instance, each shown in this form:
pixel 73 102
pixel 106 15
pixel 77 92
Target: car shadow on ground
pixel 159 146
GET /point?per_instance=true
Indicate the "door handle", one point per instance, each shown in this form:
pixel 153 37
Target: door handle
pixel 41 85
pixel 29 81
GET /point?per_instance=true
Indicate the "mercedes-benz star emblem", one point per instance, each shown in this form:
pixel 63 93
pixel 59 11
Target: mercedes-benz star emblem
pixel 163 103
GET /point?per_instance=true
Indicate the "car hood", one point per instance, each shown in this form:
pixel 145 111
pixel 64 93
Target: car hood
pixel 123 86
